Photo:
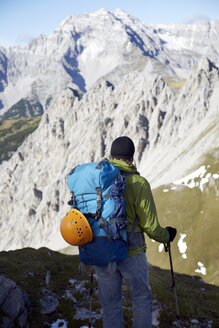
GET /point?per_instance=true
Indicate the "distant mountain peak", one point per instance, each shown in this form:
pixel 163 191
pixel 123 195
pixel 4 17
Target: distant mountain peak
pixel 87 47
pixel 103 11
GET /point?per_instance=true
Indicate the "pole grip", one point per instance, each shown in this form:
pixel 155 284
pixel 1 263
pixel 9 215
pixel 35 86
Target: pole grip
pixel 167 246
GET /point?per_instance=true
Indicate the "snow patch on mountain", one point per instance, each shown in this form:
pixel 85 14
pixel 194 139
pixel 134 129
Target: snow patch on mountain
pixel 197 178
pixel 189 180
pixel 201 269
pixel 182 245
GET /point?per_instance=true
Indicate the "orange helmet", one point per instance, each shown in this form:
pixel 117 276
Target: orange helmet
pixel 75 228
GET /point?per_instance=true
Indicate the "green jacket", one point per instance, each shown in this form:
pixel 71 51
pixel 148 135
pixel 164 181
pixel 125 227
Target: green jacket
pixel 140 204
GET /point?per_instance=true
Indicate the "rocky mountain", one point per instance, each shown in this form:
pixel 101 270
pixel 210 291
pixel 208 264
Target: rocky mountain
pixel 98 81
pixel 173 132
pixel 190 41
pixel 84 48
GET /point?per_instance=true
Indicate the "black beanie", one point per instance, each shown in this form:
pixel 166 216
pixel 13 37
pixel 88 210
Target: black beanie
pixel 123 147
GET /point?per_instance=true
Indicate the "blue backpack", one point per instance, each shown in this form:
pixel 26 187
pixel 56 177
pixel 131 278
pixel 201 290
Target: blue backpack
pixel 97 191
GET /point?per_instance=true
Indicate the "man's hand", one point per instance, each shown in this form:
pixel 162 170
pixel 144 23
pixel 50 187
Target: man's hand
pixel 172 233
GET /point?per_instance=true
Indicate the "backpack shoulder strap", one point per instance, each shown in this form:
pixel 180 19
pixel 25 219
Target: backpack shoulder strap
pixel 133 228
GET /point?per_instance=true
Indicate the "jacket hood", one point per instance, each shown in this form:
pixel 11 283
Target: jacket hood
pixel 122 165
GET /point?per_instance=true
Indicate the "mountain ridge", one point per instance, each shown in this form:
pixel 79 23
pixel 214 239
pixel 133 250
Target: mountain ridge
pixel 84 48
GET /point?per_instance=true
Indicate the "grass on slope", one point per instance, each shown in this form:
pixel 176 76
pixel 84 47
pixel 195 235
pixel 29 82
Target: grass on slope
pixel 28 268
pixel 195 214
pixel 13 132
pixel 174 83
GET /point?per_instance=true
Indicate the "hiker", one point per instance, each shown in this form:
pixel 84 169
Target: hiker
pixel 134 270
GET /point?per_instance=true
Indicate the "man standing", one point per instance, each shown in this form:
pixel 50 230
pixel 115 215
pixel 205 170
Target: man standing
pixel 134 270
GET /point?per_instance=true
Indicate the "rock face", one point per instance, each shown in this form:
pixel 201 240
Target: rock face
pixel 14 305
pixel 171 132
pixel 84 48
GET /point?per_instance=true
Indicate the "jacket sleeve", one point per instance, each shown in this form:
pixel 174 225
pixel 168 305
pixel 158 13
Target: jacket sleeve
pixel 147 214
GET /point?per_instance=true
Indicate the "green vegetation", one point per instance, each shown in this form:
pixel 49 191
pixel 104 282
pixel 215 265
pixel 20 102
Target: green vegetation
pixel 24 108
pixel 28 268
pixel 13 132
pixel 194 213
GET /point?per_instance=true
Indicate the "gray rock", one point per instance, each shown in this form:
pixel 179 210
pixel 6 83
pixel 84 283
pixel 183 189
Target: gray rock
pixel 14 304
pixel 48 302
pixel 7 323
pixel 6 286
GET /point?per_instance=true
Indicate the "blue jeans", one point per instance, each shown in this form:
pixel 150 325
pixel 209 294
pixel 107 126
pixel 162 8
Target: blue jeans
pixel 134 270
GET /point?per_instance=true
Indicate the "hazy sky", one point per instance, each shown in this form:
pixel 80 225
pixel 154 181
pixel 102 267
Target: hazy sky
pixel 22 20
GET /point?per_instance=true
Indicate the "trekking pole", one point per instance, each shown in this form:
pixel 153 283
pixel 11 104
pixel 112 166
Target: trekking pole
pixel 167 249
pixel 91 294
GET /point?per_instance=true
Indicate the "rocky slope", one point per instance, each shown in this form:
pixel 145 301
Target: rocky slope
pixel 53 293
pixel 84 48
pixel 172 132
